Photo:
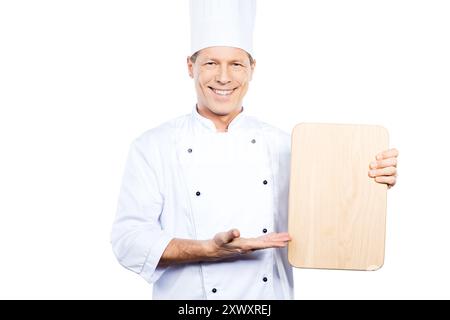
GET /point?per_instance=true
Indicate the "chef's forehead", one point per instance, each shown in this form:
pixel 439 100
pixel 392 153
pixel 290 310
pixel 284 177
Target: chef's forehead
pixel 222 53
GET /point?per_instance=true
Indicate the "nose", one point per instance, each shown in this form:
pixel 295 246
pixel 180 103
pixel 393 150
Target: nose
pixel 223 76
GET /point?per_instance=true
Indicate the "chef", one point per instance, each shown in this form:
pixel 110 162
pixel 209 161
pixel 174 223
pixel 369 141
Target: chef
pixel 202 211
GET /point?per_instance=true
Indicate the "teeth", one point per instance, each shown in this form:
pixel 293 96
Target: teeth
pixel 223 92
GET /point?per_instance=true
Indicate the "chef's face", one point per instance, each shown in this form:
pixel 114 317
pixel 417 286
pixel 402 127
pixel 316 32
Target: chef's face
pixel 221 76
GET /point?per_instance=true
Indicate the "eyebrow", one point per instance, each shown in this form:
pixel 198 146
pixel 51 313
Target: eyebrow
pixel 216 60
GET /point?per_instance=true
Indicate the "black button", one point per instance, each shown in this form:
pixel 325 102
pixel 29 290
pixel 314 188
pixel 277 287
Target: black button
pixel 253 141
pixel 214 290
pixel 190 150
pixel 197 193
pixel 265 181
pixel 264 230
pixel 265 279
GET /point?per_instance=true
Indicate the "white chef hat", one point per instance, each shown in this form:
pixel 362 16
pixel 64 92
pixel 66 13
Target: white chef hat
pixel 228 23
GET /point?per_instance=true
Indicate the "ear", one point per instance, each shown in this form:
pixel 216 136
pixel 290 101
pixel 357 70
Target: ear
pixel 190 67
pixel 252 69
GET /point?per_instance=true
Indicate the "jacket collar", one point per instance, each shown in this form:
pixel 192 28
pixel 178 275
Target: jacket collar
pixel 237 122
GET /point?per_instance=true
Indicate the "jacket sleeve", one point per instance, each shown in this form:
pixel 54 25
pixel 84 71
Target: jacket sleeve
pixel 137 238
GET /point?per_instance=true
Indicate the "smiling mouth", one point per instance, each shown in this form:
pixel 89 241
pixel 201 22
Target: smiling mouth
pixel 222 93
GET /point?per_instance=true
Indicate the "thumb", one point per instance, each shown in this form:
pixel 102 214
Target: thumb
pixel 230 235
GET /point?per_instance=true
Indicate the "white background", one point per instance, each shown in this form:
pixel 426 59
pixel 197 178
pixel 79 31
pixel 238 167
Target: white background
pixel 79 80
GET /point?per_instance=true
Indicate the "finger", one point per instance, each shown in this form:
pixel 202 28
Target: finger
pixel 389 162
pixel 271 240
pixel 278 244
pixel 282 236
pixel 387 154
pixel 389 171
pixel 278 234
pixel 268 245
pixel 264 243
pixel 226 237
pixel 389 180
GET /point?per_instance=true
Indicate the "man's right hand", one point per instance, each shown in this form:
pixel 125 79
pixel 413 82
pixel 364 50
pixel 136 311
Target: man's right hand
pixel 230 244
pixel 223 245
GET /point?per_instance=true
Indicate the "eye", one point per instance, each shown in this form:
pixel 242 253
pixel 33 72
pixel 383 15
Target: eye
pixel 237 65
pixel 210 63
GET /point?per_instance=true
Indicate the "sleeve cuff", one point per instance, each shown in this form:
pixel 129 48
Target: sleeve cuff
pixel 150 272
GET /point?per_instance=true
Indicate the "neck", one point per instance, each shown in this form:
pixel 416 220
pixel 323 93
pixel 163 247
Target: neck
pixel 220 121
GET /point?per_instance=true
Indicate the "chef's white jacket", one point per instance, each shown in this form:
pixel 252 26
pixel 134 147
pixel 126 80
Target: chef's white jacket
pixel 184 179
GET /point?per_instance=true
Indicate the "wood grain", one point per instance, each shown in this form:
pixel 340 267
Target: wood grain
pixel 337 213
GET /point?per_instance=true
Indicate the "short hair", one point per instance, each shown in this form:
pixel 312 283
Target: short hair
pixel 193 57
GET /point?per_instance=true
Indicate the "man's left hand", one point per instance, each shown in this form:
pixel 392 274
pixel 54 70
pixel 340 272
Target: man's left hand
pixel 384 168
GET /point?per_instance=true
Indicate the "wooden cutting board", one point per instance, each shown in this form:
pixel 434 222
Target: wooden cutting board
pixel 337 213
